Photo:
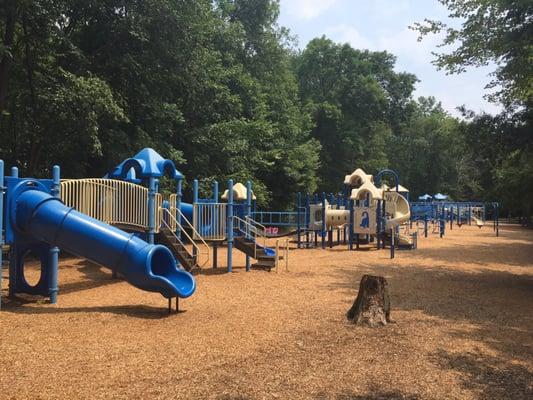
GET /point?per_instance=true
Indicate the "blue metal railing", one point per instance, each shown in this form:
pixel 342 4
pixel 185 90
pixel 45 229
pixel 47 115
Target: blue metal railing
pixel 279 218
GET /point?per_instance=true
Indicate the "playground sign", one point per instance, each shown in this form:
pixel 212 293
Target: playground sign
pixel 365 220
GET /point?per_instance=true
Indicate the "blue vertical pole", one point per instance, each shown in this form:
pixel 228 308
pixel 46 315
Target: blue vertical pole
pixel 248 214
pixel 54 251
pixel 497 217
pixel 2 189
pixel 151 209
pixel 451 217
pixel 195 195
pixel 229 224
pixel 179 194
pixel 324 226
pixel 378 224
pixel 392 233
pixel 12 257
pixel 351 224
pixel 307 218
pixel 215 191
pixel 330 230
pixel 442 222
pixel 298 216
pixel 469 214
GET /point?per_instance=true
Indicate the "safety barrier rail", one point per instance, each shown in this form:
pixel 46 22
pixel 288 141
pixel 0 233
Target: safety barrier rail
pixel 285 249
pixel 209 220
pixel 177 230
pixel 111 201
pixel 278 218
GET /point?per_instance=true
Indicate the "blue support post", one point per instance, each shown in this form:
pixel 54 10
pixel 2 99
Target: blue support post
pixel 54 251
pixel 393 233
pixel 298 216
pixel 378 224
pixel 451 217
pixel 307 217
pixel 229 225
pixel 151 209
pixel 14 172
pixel 179 194
pixel 195 201
pixel 497 218
pixel 2 189
pixel 215 191
pixel 330 230
pixel 442 222
pixel 248 214
pixel 351 224
pixel 324 226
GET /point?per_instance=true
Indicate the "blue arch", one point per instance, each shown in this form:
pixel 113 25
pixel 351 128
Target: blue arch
pixel 390 172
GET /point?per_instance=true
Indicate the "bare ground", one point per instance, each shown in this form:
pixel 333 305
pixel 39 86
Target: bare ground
pixel 463 306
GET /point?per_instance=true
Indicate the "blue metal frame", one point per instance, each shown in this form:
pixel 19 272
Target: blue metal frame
pixel 229 225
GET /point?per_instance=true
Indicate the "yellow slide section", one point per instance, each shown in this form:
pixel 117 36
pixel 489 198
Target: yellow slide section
pixel 397 207
pixel 479 222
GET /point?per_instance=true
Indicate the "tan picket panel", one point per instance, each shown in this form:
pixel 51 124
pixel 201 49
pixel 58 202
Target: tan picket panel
pixel 111 201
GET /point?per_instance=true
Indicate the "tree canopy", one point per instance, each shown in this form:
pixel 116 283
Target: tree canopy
pixel 220 88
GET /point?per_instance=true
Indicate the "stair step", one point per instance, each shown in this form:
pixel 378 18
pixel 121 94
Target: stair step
pixel 266 258
pixel 264 265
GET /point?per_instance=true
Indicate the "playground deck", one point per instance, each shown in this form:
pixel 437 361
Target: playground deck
pixel 462 305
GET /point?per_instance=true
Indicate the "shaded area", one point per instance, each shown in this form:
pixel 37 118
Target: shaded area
pixel 22 306
pixel 491 377
pixel 377 394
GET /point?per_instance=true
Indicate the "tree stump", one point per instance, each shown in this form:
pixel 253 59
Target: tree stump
pixel 372 304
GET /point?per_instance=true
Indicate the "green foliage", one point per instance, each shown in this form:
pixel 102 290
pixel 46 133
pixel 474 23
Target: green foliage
pixel 218 87
pixel 500 32
pixel 493 31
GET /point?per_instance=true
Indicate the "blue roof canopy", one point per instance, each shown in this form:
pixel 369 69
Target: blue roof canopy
pixel 440 196
pixel 147 163
pixel 424 197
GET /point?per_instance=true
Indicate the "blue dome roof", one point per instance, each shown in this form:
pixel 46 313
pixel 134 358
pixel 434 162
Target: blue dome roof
pixel 147 163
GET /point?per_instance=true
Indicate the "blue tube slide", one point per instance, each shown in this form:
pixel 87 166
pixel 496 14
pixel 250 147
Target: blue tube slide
pixel 145 266
pixel 186 209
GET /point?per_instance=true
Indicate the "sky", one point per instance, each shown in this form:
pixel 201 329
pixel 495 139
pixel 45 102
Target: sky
pixel 383 25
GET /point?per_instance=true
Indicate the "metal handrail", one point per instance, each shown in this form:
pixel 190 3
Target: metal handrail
pixel 255 223
pixel 251 229
pixel 193 230
pixel 178 238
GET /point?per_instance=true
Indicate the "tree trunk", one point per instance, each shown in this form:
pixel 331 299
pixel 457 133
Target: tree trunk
pixel 372 304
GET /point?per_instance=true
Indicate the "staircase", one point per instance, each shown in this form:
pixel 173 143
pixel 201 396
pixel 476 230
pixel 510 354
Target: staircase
pixel 176 242
pixel 167 238
pixel 249 234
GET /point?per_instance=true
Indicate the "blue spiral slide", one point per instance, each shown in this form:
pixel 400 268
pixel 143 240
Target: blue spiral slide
pixel 145 266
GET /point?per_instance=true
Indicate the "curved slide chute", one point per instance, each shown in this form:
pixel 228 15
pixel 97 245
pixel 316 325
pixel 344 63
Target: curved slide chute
pixel 397 207
pixel 145 266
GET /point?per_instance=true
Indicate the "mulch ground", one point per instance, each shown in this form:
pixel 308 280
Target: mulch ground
pixel 463 307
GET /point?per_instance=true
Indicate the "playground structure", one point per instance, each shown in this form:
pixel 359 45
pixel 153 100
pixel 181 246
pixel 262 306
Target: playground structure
pixel 439 213
pixel 123 223
pixel 364 211
pixel 367 211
